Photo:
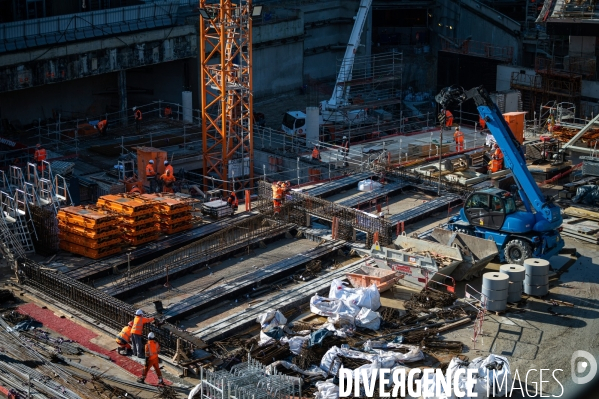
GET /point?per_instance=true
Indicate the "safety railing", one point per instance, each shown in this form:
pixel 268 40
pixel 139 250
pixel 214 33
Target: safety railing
pixel 479 49
pixel 70 26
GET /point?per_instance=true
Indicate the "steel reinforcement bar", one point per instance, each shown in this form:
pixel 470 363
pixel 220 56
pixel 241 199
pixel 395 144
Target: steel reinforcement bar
pixel 96 304
pixel 228 240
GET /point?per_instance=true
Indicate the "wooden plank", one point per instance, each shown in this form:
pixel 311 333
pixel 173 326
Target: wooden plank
pixel 581 212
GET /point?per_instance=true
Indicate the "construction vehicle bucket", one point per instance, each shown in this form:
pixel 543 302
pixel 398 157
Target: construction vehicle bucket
pixel 476 252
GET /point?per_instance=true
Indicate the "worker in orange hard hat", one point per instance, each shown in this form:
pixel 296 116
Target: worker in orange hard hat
pixel 40 156
pixel 448 119
pixel 102 125
pixel 458 136
pixel 123 340
pixel 138 118
pixel 168 181
pixel 151 175
pixel 315 153
pixel 482 122
pixel 233 201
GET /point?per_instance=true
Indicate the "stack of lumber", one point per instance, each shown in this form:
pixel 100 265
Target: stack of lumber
pixel 136 217
pixel 171 214
pixel 582 224
pixel 88 231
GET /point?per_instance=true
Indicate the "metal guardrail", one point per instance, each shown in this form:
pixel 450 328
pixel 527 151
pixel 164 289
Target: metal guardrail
pixel 71 26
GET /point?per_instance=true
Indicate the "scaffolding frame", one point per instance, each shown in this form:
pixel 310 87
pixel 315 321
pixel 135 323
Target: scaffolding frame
pixel 226 91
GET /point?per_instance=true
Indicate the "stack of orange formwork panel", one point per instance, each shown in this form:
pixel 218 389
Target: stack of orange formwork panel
pixel 88 231
pixel 171 214
pixel 136 217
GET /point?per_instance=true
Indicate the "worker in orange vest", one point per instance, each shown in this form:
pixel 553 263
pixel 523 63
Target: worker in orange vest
pixel 277 196
pixel 315 153
pixel 168 167
pixel 448 119
pixel 151 175
pixel 102 127
pixel 168 112
pixel 124 338
pixel 458 136
pixel 167 182
pixel 152 350
pixel 40 156
pixel 137 119
pixel 496 163
pixel 482 122
pixel 137 331
pixel 233 201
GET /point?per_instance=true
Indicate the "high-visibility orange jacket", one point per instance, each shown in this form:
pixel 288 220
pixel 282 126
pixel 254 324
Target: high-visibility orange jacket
pixel 232 200
pixel 125 334
pixel 39 155
pixel 315 153
pixel 102 124
pixel 150 172
pixel 168 179
pixel 138 114
pixel 168 111
pixel 152 350
pixel 482 122
pixel 458 136
pixel 169 167
pixel 498 154
pixel 138 324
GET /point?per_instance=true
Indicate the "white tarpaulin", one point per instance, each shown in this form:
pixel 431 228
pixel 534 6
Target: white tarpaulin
pixel 366 318
pixel 362 297
pixel 332 307
pixel 331 362
pixel 295 343
pixel 271 319
pixel 326 390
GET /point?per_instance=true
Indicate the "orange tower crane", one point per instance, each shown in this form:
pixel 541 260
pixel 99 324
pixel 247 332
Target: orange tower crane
pixel 226 93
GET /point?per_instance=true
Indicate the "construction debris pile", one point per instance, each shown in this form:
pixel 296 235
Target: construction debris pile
pixel 566 133
pixel 88 231
pixel 100 231
pixel 35 363
pixel 349 329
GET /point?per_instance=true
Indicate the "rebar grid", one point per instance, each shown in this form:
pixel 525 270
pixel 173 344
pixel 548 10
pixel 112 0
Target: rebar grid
pixel 248 380
pixel 238 235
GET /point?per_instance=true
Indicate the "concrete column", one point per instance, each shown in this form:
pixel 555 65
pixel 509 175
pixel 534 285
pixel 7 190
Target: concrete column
pixel 122 86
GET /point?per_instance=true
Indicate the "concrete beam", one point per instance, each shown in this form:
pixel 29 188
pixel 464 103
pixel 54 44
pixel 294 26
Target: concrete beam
pixel 95 45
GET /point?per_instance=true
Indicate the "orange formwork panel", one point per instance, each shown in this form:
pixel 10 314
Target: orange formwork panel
pixel 125 205
pixel 166 204
pixel 88 252
pixel 89 242
pixel 139 230
pixel 93 234
pixel 136 220
pixel 86 217
pixel 177 218
pixel 141 239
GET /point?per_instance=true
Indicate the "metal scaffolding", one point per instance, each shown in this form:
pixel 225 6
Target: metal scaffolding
pixel 226 92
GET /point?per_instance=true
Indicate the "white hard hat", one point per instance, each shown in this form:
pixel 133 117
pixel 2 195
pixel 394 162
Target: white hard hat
pixel 166 162
pixel 151 161
pixel 139 312
pixel 151 335
pixel 134 108
pixel 344 137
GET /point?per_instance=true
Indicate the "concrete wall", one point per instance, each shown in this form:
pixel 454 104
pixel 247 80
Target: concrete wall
pixel 482 23
pixel 278 56
pixel 68 97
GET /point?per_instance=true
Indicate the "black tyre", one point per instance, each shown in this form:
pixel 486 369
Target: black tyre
pixel 517 251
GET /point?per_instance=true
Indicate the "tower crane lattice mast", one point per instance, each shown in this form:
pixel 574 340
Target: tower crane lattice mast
pixel 226 94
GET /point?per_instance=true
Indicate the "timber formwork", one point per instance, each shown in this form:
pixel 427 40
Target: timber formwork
pixel 103 308
pixel 224 243
pixel 244 283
